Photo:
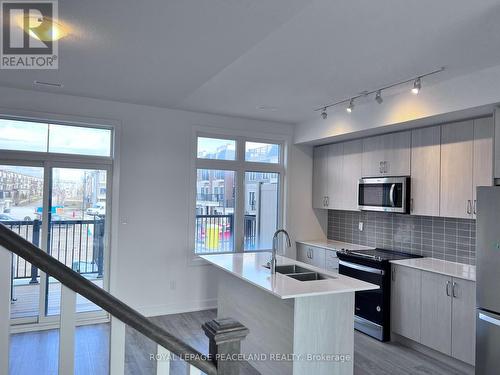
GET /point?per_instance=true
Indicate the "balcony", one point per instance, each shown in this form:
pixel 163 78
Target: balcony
pixel 215 233
pixel 79 244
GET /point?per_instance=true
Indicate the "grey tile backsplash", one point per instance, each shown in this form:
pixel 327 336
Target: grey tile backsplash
pixel 437 237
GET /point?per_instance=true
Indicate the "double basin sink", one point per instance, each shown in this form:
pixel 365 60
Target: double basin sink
pixel 300 273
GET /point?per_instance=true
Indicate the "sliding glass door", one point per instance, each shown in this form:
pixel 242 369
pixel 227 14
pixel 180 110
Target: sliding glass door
pixel 21 196
pixel 62 209
pixel 77 229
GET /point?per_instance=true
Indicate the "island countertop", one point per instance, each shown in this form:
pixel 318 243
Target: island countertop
pixel 250 268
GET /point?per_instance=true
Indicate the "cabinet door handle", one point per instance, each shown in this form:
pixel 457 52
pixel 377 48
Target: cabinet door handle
pixel 393 275
pixel 448 284
pixel 475 207
pixel 327 201
pixel 312 254
pixel 381 167
pixel 386 168
pixel 469 207
pixel 411 205
pixel 454 293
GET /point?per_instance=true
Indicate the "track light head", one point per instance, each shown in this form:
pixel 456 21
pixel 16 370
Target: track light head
pixel 351 106
pixel 378 97
pixel 417 86
pixel 324 115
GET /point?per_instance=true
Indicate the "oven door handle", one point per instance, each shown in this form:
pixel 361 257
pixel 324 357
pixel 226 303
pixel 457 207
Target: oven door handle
pixel 361 267
pixel 391 195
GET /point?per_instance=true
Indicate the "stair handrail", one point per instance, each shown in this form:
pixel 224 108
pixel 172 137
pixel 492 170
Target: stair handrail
pixel 16 244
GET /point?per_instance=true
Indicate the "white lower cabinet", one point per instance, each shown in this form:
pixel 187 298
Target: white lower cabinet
pixel 331 261
pixel 463 343
pixel 315 256
pixel 435 310
pixel 405 301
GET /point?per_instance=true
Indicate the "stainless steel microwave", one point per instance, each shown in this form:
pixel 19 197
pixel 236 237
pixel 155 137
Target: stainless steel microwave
pixel 385 194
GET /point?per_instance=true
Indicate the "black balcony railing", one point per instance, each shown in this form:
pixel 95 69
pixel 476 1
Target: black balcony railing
pixel 215 233
pixel 78 244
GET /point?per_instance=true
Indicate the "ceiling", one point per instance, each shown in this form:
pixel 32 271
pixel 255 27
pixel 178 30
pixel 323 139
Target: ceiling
pixel 272 59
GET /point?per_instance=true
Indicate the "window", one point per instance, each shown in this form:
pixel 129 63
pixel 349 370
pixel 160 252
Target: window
pixel 262 152
pixel 23 136
pixel 78 140
pixel 214 229
pixel 261 214
pixel 16 135
pixel 224 222
pixel 213 148
pixel 54 184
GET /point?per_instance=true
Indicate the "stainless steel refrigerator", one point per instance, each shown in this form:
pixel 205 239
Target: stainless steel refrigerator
pixel 488 281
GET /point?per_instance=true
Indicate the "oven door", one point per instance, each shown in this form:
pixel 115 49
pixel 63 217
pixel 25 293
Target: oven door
pixel 369 304
pixel 389 194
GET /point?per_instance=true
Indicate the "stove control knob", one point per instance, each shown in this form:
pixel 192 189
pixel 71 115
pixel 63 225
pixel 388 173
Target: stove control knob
pixel 378 309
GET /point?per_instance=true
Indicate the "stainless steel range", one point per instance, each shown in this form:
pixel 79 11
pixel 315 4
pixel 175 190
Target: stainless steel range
pixel 373 307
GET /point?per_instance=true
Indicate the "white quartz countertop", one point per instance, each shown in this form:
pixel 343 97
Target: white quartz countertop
pixel 459 270
pixel 335 245
pixel 250 268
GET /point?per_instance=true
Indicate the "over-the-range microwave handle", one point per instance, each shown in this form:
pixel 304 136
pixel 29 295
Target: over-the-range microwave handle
pixel 391 195
pixel 361 267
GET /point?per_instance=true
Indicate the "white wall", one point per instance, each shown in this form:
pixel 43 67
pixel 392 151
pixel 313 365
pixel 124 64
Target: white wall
pixel 155 162
pixel 462 96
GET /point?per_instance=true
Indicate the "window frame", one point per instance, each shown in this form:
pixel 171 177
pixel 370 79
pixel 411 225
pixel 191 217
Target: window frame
pixel 49 160
pixel 239 166
pixel 47 155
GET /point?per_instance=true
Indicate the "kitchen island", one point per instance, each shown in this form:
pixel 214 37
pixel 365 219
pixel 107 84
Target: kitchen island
pixel 296 327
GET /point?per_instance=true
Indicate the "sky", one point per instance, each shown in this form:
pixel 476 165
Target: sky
pixel 33 136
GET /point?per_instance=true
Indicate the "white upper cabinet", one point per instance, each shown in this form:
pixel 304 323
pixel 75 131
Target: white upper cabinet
pixel 466 162
pixel 334 185
pixel 447 163
pixel 336 172
pixel 425 171
pixel 351 173
pixel 482 170
pixel 387 155
pixel 456 169
pixel 320 177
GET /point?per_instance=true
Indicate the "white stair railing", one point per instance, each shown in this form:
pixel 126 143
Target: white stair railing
pixel 224 335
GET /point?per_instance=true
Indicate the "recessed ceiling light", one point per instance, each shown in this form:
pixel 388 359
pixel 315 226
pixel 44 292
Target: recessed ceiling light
pixel 45 29
pixel 48 84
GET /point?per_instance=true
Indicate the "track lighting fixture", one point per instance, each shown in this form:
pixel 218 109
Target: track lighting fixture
pixel 417 85
pixel 351 106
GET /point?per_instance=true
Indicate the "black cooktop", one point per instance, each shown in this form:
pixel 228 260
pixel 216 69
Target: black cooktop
pixel 379 254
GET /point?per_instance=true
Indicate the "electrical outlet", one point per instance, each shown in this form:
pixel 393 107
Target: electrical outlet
pixel 360 226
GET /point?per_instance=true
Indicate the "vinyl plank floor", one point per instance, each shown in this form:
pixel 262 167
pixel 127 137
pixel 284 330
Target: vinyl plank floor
pixel 36 352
